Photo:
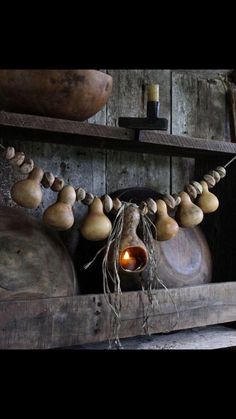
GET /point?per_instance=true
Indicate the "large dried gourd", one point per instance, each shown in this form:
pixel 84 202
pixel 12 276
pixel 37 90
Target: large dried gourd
pixel 188 214
pixel 60 215
pixel 166 226
pixel 96 225
pixel 28 193
pixel 208 202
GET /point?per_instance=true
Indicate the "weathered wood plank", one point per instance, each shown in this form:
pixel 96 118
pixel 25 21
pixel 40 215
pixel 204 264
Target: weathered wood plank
pixel 68 321
pixel 210 73
pixel 198 110
pixel 63 126
pixel 91 135
pixel 208 337
pixel 129 98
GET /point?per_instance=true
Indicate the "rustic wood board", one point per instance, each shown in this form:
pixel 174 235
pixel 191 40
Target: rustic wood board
pixel 103 137
pixel 59 322
pixel 198 110
pixel 129 98
pixel 199 338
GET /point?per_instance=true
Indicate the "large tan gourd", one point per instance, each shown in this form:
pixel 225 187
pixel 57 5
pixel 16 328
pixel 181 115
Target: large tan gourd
pixel 188 214
pixel 208 202
pixel 166 227
pixel 96 225
pixel 60 215
pixel 28 193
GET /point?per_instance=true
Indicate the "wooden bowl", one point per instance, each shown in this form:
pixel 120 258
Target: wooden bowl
pixel 68 94
pixel 34 263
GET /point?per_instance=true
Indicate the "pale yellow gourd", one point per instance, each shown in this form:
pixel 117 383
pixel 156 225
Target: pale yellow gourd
pixel 188 214
pixel 207 201
pixel 28 193
pixel 166 226
pixel 60 215
pixel 96 225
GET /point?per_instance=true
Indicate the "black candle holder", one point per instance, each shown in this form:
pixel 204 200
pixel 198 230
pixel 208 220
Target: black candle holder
pixel 152 121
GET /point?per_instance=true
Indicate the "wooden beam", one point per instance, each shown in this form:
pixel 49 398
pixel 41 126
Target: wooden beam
pixel 91 135
pixel 67 321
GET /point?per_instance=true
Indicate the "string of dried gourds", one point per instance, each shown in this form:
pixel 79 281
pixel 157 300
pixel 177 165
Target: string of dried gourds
pixel 28 193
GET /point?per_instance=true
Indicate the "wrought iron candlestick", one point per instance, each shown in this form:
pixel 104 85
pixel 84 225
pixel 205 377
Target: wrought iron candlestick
pixel 152 121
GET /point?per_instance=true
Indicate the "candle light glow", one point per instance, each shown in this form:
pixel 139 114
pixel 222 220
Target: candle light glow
pixel 128 262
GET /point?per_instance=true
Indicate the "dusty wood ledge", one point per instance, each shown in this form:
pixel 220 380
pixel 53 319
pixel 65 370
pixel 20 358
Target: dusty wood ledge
pixel 206 337
pixel 67 321
pixel 78 133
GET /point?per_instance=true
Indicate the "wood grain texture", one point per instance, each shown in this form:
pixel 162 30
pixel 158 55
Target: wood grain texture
pixel 198 110
pixel 205 74
pixel 33 261
pixel 198 338
pixel 102 137
pixel 68 321
pixel 130 99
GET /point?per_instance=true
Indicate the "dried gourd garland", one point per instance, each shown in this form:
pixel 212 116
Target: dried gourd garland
pixel 122 239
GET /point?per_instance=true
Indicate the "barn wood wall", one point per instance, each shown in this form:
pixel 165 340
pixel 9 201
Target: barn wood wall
pixel 193 101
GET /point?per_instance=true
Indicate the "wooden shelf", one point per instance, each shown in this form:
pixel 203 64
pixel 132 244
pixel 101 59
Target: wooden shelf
pixel 101 136
pixel 68 321
pixel 206 337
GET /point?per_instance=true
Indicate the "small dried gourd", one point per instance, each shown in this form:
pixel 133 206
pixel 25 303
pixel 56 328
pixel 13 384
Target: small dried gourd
pixel 60 215
pixel 188 214
pixel 208 202
pixel 166 226
pixel 169 200
pixel 96 225
pixel 28 193
pixel 107 203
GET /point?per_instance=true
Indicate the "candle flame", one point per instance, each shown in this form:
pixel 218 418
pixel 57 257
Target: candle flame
pixel 126 255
